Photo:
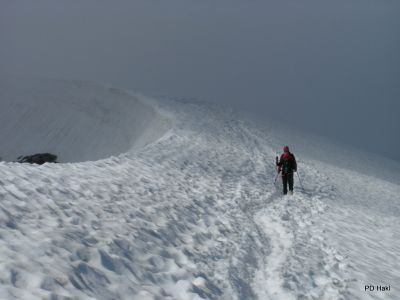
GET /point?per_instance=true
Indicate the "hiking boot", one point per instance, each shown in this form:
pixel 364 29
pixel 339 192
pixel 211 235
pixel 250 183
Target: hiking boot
pixel 290 192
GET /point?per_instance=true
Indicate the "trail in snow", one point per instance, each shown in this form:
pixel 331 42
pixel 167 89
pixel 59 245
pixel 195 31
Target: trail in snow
pixel 192 215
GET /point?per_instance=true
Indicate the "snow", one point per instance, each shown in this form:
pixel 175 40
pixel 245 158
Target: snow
pixel 74 120
pixel 175 199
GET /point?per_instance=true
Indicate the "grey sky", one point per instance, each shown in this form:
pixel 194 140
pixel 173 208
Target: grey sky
pixel 329 67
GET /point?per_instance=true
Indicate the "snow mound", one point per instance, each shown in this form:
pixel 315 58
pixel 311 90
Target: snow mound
pixel 77 121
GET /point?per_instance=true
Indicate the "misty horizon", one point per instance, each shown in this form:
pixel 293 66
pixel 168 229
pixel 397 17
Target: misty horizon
pixel 332 68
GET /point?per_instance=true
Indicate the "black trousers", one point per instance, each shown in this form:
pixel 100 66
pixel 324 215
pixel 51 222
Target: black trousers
pixel 287 179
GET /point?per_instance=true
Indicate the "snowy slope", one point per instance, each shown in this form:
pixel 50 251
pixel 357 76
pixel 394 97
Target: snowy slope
pixel 192 214
pixel 77 121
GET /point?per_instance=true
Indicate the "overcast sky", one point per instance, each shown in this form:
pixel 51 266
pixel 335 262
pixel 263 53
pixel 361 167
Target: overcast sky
pixel 328 67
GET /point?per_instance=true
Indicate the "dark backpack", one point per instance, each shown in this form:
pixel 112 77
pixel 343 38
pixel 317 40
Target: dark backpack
pixel 288 164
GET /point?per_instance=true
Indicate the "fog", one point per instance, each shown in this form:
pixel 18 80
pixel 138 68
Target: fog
pixel 329 67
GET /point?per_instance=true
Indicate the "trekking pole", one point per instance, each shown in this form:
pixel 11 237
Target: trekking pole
pixel 301 184
pixel 277 174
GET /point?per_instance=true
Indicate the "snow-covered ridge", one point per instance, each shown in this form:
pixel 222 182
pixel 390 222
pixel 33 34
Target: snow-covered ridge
pixel 76 120
pixel 196 215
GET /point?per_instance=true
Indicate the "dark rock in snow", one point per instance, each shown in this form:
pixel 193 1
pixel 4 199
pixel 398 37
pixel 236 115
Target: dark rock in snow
pixel 39 158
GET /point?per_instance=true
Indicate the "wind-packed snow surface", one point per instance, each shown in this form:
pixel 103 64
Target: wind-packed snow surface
pixel 193 213
pixel 78 121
